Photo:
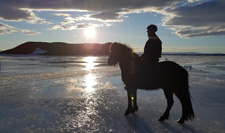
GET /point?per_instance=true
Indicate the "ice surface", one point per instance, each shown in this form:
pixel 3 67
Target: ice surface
pixel 83 94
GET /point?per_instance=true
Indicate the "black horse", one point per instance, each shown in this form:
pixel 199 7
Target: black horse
pixel 171 77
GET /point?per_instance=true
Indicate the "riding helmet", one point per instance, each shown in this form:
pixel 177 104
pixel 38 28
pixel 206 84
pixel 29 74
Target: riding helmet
pixel 152 27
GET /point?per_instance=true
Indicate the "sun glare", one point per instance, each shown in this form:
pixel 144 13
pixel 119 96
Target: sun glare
pixel 90 32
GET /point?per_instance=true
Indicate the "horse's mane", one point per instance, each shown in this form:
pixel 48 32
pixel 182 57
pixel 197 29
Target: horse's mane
pixel 121 48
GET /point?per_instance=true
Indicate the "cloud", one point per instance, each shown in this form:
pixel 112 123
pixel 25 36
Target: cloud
pixel 188 18
pixel 204 19
pixel 6 29
pixel 28 32
pixel 34 19
pixel 71 23
pixel 105 12
pixel 77 26
pixel 83 25
pixel 200 32
pixel 17 8
pixel 108 16
pixel 62 14
pixel 63 27
pixel 11 13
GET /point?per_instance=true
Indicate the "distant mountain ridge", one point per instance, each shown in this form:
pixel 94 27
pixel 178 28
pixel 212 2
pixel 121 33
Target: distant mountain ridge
pixel 189 53
pixel 59 48
pixel 192 53
pixel 83 49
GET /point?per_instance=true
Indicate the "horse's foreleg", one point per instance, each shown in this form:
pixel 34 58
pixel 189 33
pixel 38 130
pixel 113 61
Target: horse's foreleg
pixel 132 97
pixel 129 95
pixel 169 98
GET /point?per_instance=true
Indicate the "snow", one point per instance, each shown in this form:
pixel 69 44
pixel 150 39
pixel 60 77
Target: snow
pixel 59 94
pixel 39 51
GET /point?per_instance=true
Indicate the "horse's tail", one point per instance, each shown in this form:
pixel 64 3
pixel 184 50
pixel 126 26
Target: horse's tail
pixel 184 96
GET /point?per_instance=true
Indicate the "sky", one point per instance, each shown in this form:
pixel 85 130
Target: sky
pixel 183 25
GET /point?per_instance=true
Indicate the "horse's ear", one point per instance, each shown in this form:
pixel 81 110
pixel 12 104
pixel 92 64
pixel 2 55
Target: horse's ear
pixel 110 48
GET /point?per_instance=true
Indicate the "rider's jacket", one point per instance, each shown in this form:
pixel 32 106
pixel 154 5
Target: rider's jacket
pixel 153 49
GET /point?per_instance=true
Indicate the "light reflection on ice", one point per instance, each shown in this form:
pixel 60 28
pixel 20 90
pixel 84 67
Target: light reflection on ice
pixel 90 79
pixel 90 62
pixel 85 115
pixel 90 82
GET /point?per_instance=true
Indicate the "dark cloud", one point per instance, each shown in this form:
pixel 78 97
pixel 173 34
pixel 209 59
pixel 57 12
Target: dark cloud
pixel 107 16
pixel 83 26
pixel 9 13
pixel 205 19
pixel 208 13
pixel 188 18
pixel 14 12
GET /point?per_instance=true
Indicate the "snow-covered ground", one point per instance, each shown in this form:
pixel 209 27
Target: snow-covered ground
pixel 84 94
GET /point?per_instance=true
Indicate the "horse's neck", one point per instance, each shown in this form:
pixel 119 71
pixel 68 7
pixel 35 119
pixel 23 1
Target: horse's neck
pixel 128 63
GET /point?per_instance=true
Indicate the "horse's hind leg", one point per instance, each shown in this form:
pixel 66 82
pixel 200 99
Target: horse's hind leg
pixel 170 101
pixel 187 110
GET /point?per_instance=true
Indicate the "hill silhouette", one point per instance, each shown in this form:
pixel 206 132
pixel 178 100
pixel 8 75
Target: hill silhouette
pixel 59 48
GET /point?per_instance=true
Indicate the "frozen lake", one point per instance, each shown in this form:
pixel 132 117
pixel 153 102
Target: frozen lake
pixel 84 94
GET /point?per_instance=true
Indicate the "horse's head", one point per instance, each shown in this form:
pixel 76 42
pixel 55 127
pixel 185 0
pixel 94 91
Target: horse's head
pixel 114 50
pixel 120 53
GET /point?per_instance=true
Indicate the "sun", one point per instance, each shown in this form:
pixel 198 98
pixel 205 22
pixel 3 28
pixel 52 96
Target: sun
pixel 90 32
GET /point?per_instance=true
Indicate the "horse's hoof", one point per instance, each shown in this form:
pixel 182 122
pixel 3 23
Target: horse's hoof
pixel 180 121
pixel 135 109
pixel 162 118
pixel 127 112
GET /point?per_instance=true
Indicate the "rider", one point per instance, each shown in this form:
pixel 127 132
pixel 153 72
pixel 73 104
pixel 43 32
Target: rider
pixel 153 47
pixel 150 58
